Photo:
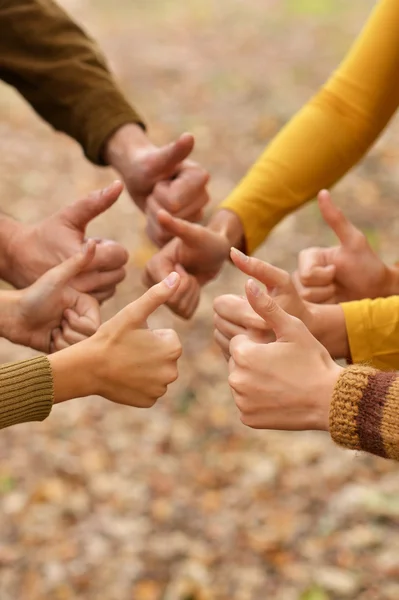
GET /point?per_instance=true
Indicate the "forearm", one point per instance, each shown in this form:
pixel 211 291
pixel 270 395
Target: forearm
pixel 364 412
pixel 329 135
pixel 71 372
pixel 62 73
pixel 327 324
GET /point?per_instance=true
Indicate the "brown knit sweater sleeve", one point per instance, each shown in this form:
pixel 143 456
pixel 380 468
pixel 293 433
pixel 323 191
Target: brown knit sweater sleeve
pixel 26 391
pixel 61 73
pixel 364 413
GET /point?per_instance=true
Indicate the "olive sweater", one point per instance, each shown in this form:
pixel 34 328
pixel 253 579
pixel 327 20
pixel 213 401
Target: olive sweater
pixel 62 73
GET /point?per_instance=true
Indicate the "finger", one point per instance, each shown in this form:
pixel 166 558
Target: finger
pixel 318 295
pixel 96 282
pixel 314 267
pixel 284 325
pixel 264 272
pixel 71 336
pixel 138 311
pixel 222 342
pixel 60 275
pixel 109 256
pixel 345 231
pixel 185 194
pixel 237 310
pixel 81 212
pixel 190 233
pixel 101 297
pixel 84 326
pixel 226 328
pixel 57 341
pixel 185 300
pixel 167 158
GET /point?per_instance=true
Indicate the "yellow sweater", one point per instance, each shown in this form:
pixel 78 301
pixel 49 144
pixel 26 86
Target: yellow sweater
pixel 318 146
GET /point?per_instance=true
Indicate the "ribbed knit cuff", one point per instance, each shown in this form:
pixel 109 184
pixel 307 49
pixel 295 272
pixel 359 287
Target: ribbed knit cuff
pixel 26 391
pixel 364 413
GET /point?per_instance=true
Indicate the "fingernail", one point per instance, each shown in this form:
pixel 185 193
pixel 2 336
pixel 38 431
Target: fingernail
pixel 239 254
pixel 171 279
pixel 110 186
pixel 254 288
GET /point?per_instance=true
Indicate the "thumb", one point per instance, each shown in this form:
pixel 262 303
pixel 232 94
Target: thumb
pixel 190 233
pixel 335 218
pixel 284 325
pixel 81 212
pixel 267 274
pixel 167 158
pixel 61 275
pixel 138 311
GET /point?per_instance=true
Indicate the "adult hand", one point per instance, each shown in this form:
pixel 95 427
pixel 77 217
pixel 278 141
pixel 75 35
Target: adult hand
pixel 287 384
pixel 349 271
pixel 124 361
pixel 159 177
pixel 234 315
pixel 40 308
pixel 33 249
pixel 198 254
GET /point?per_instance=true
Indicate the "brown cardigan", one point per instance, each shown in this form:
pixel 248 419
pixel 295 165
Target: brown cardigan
pixel 61 72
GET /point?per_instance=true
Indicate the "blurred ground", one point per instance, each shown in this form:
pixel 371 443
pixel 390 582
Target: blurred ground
pixel 182 502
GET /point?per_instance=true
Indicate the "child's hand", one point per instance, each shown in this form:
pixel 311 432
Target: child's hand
pixel 196 253
pixel 350 271
pixel 51 315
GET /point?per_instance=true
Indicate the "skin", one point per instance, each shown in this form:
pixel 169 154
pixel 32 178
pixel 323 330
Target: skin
pixel 28 251
pixel 197 252
pixel 349 271
pixel 269 395
pixel 159 177
pixel 234 315
pixel 50 314
pixel 124 361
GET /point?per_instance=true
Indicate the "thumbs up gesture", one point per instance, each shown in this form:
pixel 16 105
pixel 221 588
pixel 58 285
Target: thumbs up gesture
pixel 286 384
pixel 124 361
pixel 349 271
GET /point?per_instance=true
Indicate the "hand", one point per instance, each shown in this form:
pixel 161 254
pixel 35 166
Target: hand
pixel 198 253
pixel 33 249
pixel 159 177
pixel 350 271
pixel 234 315
pixel 124 361
pixel 287 384
pixel 37 315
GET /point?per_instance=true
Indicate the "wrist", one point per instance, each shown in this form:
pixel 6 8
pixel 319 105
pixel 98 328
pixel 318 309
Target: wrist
pixel 8 229
pixel 327 324
pixel 227 224
pixel 391 287
pixel 12 325
pixel 121 147
pixel 73 372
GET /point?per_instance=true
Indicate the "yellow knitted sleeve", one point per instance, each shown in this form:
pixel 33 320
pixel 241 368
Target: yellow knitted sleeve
pixel 26 391
pixel 329 135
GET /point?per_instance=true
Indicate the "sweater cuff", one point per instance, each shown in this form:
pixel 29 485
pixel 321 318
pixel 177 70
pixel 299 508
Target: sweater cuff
pixel 364 413
pixel 101 116
pixel 26 391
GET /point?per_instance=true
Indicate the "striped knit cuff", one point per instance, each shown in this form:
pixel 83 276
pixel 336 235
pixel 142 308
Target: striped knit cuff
pixel 26 391
pixel 364 413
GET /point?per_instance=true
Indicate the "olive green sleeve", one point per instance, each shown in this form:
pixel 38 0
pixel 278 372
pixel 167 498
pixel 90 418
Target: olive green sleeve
pixel 26 391
pixel 61 72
